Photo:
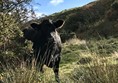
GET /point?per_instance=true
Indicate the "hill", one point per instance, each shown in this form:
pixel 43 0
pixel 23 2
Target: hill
pixel 98 18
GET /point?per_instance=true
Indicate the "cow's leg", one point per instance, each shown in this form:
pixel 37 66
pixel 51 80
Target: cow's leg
pixel 41 68
pixel 56 69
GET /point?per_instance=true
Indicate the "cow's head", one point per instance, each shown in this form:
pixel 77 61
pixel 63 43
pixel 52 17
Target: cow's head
pixel 42 30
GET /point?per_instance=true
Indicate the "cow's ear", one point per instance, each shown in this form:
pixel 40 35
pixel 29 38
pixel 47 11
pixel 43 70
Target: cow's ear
pixel 35 26
pixel 59 23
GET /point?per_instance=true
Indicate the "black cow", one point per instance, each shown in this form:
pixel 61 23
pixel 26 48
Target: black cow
pixel 46 44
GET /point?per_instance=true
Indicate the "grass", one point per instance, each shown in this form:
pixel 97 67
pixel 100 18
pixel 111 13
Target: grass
pixel 101 70
pixel 96 61
pixel 21 74
pixel 82 62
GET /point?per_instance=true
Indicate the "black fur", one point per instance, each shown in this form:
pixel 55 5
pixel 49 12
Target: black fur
pixel 46 44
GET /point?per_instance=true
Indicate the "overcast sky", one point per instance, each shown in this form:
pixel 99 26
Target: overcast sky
pixel 48 7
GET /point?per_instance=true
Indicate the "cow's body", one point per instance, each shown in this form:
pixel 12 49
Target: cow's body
pixel 46 44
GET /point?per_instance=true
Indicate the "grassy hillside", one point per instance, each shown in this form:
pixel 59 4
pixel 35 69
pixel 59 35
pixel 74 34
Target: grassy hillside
pixel 93 20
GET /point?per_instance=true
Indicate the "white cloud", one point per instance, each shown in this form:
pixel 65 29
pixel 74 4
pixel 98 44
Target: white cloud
pixel 56 2
pixel 38 14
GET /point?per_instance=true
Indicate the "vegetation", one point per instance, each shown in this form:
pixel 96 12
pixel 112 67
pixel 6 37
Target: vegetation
pixel 90 21
pixel 13 14
pixel 90 44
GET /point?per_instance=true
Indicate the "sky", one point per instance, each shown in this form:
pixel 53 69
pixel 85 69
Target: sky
pixel 48 7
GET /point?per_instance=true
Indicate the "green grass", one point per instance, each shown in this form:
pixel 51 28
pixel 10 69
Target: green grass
pixel 82 62
pixel 96 61
pixel 97 72
pixel 20 74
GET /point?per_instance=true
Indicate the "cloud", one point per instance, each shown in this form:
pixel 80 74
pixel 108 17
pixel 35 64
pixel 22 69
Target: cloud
pixel 38 14
pixel 56 2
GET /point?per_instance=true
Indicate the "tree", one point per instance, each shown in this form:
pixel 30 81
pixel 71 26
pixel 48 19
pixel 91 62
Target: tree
pixel 13 14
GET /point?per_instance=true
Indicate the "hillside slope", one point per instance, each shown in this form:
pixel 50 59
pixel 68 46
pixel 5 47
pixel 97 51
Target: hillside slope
pixel 94 20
